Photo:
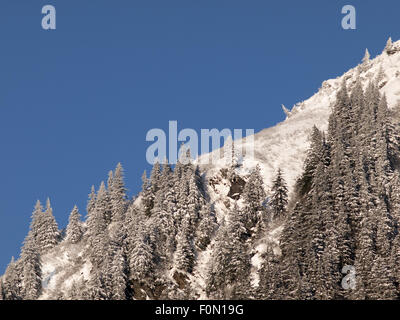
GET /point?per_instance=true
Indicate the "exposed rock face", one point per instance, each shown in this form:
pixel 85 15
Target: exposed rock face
pixel 236 189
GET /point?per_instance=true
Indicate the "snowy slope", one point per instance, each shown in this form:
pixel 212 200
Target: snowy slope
pixel 61 267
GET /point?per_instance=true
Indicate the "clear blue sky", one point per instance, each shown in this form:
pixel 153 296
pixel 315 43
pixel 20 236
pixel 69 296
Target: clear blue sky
pixel 76 101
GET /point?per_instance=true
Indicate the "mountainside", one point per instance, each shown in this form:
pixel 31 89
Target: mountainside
pixel 284 145
pixel 194 231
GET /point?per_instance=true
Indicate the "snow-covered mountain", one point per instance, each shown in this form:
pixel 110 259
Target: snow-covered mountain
pixel 283 146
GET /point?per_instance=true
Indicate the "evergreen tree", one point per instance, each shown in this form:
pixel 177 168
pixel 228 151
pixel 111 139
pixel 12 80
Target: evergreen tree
pixel 2 290
pixel 74 228
pixel 165 175
pixel 118 195
pixel 389 46
pixel 381 75
pixel 147 196
pixel 185 252
pixel 313 156
pixel 114 272
pixel 141 262
pixel 395 262
pixel 31 274
pixel 119 275
pixel 164 224
pixel 155 178
pixel 96 228
pixel 97 220
pixel 91 201
pixel 43 229
pixel 49 234
pixel 228 277
pixel 95 289
pixel 12 281
pixel 279 198
pixel 254 197
pixel 268 276
pixel 366 57
pixel 206 227
pixel 36 223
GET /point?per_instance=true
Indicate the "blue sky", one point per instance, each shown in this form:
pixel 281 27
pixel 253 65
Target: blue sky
pixel 76 101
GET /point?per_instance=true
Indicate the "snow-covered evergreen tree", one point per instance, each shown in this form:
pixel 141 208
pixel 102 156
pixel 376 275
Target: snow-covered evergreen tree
pixel 49 234
pixel 185 251
pixel 91 201
pixel 118 195
pixel 141 260
pixel 229 275
pixel 114 271
pixel 74 228
pixel 389 46
pixel 2 290
pixel 279 199
pixel 96 227
pixel 313 156
pixel 268 276
pixel 366 57
pixel 12 281
pixel 206 227
pixel 43 229
pixel 31 273
pixel 254 197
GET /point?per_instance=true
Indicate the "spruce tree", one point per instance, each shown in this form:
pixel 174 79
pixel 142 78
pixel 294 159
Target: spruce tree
pixel 141 263
pixel 96 228
pixel 74 228
pixel 91 201
pixel 279 199
pixel 206 227
pixel 389 46
pixel 313 156
pixel 254 197
pixel 268 275
pixel 49 234
pixel 185 252
pixel 12 280
pixel 2 290
pixel 31 273
pixel 146 195
pixel 114 271
pixel 118 195
pixel 229 275
pixel 119 275
pixel 366 57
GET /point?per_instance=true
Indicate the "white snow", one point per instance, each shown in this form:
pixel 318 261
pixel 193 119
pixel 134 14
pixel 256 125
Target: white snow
pixel 200 272
pixel 61 267
pixel 271 239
